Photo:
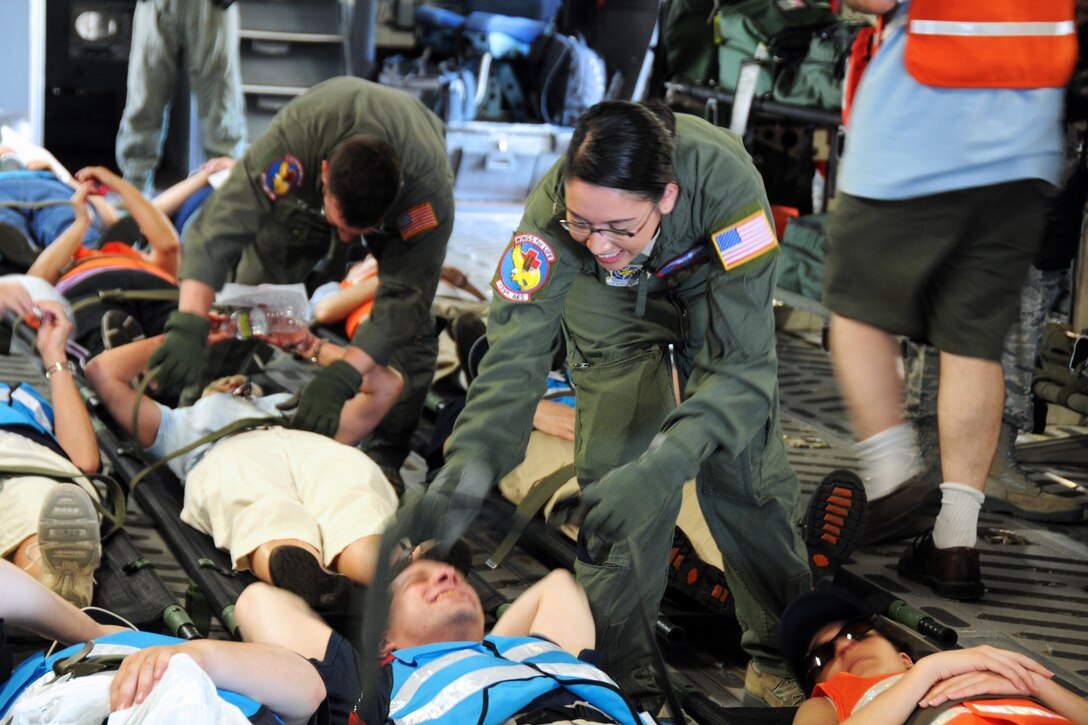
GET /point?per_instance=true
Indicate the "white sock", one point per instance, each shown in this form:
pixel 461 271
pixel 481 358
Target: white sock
pixel 888 459
pixel 957 523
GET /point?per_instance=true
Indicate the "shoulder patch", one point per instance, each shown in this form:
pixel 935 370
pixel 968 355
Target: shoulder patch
pixel 524 268
pixel 745 239
pixel 418 219
pixel 282 176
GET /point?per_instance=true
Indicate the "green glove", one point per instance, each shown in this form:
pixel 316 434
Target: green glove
pixel 324 398
pixel 615 505
pixel 452 501
pixel 181 355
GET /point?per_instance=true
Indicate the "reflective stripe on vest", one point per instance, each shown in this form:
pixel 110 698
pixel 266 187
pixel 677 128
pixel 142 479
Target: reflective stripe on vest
pixel 505 674
pixel 991 43
pixel 23 405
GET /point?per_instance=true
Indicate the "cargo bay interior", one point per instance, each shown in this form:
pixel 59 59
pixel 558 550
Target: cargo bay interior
pixel 510 80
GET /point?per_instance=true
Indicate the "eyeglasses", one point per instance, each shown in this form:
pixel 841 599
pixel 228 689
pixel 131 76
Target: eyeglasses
pixel 581 232
pixel 818 657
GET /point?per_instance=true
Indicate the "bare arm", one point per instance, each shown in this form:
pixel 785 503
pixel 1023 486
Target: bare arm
pixel 555 607
pixel 380 389
pixel 72 424
pixel 274 676
pixel 898 702
pixel 111 374
pixel 1062 701
pixel 872 7
pixel 196 297
pixel 555 419
pixel 58 254
pixel 341 304
pixel 169 201
pixel 972 684
pixel 155 226
pixel 26 603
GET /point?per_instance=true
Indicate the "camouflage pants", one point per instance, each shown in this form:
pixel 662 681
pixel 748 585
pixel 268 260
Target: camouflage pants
pixel 1041 292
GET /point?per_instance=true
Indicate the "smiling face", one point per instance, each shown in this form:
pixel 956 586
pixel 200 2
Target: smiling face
pixel 870 656
pixel 604 208
pixel 432 602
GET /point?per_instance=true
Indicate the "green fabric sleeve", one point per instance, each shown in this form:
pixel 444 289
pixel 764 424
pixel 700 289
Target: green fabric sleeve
pixel 409 274
pixel 523 338
pixel 229 220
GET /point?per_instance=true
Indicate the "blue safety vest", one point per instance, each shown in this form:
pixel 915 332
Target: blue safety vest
pixel 34 667
pixel 491 681
pixel 24 406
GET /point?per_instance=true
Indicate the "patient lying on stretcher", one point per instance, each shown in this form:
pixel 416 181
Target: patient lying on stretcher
pixel 300 510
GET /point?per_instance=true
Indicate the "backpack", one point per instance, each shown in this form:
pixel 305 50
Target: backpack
pixel 804 49
pixel 814 77
pixel 571 77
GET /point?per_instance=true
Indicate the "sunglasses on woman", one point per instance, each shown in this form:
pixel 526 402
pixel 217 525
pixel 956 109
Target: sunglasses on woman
pixel 818 657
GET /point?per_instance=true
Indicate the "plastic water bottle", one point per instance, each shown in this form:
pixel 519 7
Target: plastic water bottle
pixel 265 320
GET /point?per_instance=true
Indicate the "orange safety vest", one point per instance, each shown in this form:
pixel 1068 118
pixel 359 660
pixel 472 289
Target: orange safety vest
pixel 991 43
pixel 845 691
pixel 112 255
pixel 364 271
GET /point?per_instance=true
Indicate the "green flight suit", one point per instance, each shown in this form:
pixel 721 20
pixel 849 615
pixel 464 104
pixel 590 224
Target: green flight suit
pixel 265 224
pixel 725 433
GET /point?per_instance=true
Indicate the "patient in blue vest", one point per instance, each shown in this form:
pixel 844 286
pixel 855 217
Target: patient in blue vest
pixel 246 682
pixel 535 666
pixel 48 529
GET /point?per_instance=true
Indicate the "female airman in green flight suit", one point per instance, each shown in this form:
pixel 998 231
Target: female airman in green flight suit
pixel 650 247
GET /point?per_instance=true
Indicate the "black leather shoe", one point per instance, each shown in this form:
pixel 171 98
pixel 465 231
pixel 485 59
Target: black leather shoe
pixel 907 511
pixel 952 573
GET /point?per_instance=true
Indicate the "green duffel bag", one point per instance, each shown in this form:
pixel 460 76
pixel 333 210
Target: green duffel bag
pixel 738 40
pixel 743 26
pixel 816 78
pixel 804 249
pixel 1061 372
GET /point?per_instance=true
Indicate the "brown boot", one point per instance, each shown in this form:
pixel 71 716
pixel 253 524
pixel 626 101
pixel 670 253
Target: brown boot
pixel 1010 491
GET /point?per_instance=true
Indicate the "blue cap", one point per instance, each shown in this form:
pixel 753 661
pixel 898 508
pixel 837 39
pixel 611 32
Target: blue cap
pixel 804 617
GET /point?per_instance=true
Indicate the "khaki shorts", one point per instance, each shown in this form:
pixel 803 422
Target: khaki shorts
pixel 263 485
pixel 21 498
pixel 945 269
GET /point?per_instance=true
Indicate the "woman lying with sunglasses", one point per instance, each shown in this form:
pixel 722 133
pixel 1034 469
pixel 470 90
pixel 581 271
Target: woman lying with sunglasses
pixel 857 674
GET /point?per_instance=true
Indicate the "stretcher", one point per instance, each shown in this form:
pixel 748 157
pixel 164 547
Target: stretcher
pixel 127 584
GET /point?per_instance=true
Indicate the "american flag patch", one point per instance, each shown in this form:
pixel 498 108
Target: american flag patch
pixel 417 219
pixel 744 240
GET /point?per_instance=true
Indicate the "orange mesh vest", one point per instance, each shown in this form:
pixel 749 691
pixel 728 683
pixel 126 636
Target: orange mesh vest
pixel 112 255
pixel 991 43
pixel 362 312
pixel 845 692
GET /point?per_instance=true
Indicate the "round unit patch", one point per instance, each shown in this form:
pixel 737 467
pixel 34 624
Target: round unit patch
pixel 626 277
pixel 524 268
pixel 282 176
